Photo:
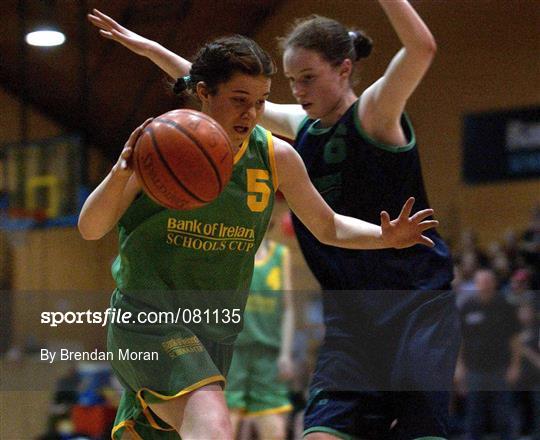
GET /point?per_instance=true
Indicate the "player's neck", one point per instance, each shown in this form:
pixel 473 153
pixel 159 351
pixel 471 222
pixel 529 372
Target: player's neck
pixel 339 109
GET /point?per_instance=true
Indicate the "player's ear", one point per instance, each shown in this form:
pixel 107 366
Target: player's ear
pixel 202 91
pixel 345 68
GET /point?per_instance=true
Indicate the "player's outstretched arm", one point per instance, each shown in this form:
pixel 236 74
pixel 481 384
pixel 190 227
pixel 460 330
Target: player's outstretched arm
pixel 282 119
pixel 108 202
pixel 384 101
pixel 339 230
pixel 174 65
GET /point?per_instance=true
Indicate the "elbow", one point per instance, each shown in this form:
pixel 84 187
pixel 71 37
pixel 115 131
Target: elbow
pixel 327 230
pixel 325 236
pixel 87 235
pixel 86 231
pixel 424 50
pixel 429 47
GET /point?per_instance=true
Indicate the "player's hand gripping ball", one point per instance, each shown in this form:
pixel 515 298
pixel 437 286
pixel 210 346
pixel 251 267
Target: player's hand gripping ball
pixel 183 159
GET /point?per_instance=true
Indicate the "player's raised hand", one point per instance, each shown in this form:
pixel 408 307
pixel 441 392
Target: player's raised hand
pixel 406 230
pixel 109 28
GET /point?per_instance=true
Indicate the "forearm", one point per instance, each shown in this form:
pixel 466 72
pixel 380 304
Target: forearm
pixel 410 28
pixel 103 207
pixel 287 335
pixel 352 233
pixel 174 65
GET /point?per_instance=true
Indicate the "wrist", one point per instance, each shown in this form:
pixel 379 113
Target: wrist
pixel 118 173
pixel 382 241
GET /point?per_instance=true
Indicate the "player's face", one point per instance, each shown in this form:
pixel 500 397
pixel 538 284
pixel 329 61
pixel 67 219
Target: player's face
pixel 318 86
pixel 238 105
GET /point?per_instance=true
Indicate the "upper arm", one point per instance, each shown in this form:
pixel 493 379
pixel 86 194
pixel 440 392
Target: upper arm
pixel 382 103
pixel 283 119
pixel 302 197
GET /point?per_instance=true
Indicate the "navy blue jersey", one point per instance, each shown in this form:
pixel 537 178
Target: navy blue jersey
pixel 388 316
pixel 360 177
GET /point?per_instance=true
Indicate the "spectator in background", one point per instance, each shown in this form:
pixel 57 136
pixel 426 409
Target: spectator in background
pixel 489 361
pixel 519 291
pixel 510 246
pixel 529 382
pixel 468 244
pixel 530 247
pixel 464 280
pixel 501 266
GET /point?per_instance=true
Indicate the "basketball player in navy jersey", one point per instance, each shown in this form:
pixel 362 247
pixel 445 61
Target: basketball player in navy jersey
pixel 392 331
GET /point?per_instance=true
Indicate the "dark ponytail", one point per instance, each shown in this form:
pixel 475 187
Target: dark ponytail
pixel 181 85
pixel 362 44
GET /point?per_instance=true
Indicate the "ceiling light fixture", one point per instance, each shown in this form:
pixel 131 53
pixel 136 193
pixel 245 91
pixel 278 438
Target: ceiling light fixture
pixel 45 37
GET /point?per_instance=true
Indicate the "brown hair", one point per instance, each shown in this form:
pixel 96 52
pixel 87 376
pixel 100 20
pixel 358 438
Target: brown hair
pixel 331 39
pixel 216 62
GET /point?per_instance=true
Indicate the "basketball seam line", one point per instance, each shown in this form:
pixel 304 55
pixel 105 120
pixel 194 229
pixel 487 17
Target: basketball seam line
pixel 202 150
pixel 156 147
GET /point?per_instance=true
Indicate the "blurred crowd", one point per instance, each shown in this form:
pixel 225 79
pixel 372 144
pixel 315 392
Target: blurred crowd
pixel 497 381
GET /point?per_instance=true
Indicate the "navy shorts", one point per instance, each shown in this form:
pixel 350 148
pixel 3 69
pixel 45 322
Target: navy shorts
pixel 391 381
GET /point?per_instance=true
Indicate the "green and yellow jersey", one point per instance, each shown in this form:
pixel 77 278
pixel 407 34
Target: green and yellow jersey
pixel 201 259
pixel 264 309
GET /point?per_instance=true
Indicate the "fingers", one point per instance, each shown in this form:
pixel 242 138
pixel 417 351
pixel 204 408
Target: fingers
pixel 106 34
pixel 145 123
pixel 133 136
pixel 407 208
pixel 428 224
pixel 96 19
pixel 124 160
pixel 421 215
pixel 105 19
pixel 102 21
pixel 385 219
pixel 426 241
pixel 97 22
pixel 137 132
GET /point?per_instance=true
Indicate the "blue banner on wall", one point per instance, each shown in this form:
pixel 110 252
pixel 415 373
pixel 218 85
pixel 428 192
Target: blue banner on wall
pixel 502 145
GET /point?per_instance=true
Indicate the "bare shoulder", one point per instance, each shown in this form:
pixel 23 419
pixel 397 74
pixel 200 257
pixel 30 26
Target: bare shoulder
pixel 289 165
pixel 282 148
pixel 286 156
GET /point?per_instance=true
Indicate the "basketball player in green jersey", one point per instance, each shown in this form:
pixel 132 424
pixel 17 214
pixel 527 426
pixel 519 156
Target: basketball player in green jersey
pixel 196 266
pixel 262 358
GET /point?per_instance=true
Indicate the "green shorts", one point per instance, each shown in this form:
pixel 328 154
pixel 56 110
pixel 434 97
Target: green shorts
pixel 253 385
pixel 157 362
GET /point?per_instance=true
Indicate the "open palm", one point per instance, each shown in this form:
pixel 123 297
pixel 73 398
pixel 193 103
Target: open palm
pixel 407 230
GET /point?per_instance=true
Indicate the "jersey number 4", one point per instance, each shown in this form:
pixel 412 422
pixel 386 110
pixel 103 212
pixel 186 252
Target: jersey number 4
pixel 258 186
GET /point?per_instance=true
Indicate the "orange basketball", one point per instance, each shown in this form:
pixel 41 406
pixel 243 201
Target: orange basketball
pixel 183 159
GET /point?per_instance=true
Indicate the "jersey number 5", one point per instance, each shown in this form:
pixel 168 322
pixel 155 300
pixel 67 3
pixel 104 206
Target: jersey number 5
pixel 259 189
